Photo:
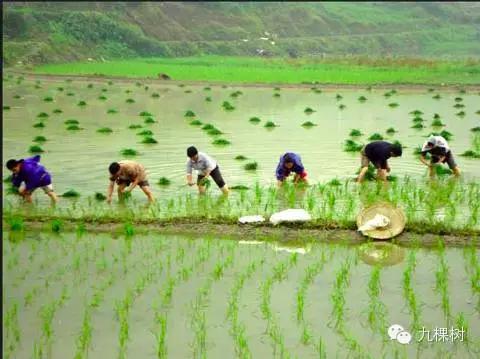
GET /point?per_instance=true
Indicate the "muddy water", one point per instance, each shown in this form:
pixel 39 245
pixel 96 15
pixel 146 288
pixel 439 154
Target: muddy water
pixel 80 159
pixel 70 271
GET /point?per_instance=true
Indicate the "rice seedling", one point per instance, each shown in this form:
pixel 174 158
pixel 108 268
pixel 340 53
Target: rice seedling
pixel 73 128
pixel 444 133
pixel 196 123
pixel 71 122
pixel 442 171
pixel 57 111
pixel 149 120
pixel 375 137
pixel 207 88
pixel 128 152
pixel 208 127
pixel 145 114
pixel 17 97
pixel 338 97
pixel 437 97
pixel 436 116
pixel 81 103
pixel 130 100
pixel 418 125
pixel 341 106
pixel 239 187
pixel 477 112
pixel 362 99
pixel 85 337
pixel 208 99
pixel 276 94
pixel 90 86
pixel 189 113
pixel 471 154
pixel 270 124
pixel 104 130
pixel 236 94
pixel 254 120
pixel 149 140
pixel 43 115
pixel 16 224
pixel 102 97
pixel 390 131
pixel 355 133
pixel 35 149
pixel 221 142
pixel 240 158
pixel 39 125
pixel 418 119
pixel 393 104
pixel 309 110
pixel 56 225
pixel 164 181
pixel 161 335
pixel 155 95
pixel 214 132
pixel 128 229
pixel 376 309
pixel 134 127
pixel 437 123
pixel 416 113
pixel 70 94
pixel 227 106
pixel 100 196
pixel 308 124
pixel 48 99
pixel 458 99
pixel 352 146
pixel 251 166
pixel 460 114
pixel 475 129
pixel 71 193
pixel 112 111
pixel 6 108
pixel 145 133
pixel 110 83
pixel 459 105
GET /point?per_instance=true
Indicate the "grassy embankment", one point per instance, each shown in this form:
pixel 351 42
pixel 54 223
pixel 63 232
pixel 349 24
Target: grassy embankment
pixel 355 71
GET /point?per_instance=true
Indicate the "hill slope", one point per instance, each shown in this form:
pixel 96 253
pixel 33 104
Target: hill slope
pixel 54 31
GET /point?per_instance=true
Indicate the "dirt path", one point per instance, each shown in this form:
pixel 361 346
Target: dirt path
pixel 156 81
pixel 287 234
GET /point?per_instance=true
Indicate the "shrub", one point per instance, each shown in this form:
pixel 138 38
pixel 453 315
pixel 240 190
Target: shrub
pixel 163 181
pixel 149 140
pixel 128 152
pixel 189 113
pixel 251 166
pixel 352 146
pixel 254 120
pixel 221 142
pixel 105 130
pixel 309 124
pixel 35 149
pixel 42 115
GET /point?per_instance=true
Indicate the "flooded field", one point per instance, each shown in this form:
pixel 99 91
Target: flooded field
pixel 78 159
pixel 97 296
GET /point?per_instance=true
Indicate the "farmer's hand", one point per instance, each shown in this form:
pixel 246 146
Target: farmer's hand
pixel 191 184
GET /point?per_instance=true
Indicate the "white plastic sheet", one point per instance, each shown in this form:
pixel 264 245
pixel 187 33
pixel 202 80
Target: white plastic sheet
pixel 379 221
pixel 290 215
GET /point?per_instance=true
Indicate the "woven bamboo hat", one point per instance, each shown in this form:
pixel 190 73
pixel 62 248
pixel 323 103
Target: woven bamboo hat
pixel 394 214
pixel 381 253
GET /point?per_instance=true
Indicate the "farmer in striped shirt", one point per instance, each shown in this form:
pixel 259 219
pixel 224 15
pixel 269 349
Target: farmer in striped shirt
pixel 205 166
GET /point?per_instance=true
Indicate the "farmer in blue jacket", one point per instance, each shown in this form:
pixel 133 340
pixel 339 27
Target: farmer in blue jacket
pixel 290 162
pixel 34 175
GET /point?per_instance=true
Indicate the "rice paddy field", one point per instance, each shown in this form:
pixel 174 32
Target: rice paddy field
pixel 129 292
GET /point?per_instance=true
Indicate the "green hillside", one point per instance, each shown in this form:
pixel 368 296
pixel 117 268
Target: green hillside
pixel 50 32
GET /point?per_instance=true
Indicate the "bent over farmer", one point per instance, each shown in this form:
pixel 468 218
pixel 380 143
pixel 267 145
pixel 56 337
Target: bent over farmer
pixel 33 174
pixel 205 166
pixel 440 152
pixel 290 162
pixel 128 173
pixel 378 152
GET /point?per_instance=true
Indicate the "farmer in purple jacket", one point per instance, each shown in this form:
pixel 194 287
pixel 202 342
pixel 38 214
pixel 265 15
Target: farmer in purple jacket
pixel 34 175
pixel 290 162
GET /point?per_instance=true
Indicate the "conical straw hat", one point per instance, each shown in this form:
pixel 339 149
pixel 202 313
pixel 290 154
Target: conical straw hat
pixel 394 214
pixel 381 253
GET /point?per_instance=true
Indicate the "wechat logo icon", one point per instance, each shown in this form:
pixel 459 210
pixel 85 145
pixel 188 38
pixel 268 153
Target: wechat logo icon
pixel 398 333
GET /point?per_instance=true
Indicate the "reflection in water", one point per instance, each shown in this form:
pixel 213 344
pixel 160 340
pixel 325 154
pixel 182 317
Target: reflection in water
pixel 381 253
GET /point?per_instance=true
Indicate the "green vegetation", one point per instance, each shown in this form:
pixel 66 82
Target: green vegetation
pixel 308 124
pixel 393 104
pixel 352 146
pixel 391 131
pixel 43 115
pixel 164 181
pixel 35 149
pixel 145 114
pixel 130 100
pixel 475 129
pixel 100 196
pixel 71 193
pixel 145 133
pixel 254 120
pixel 149 140
pixel 355 133
pixel 196 123
pixel 437 123
pixel 309 110
pixel 39 125
pixel 444 133
pixel 134 127
pixel 418 125
pixel 48 99
pixel 105 130
pixel 227 106
pixel 251 166
pixel 471 154
pixel 73 128
pixel 375 137
pixel 221 142
pixel 270 124
pixel 149 120
pixel 460 114
pixel 81 103
pixel 40 139
pixel 112 111
pixel 57 111
pixel 240 158
pixel 362 99
pixel 128 152
pixel 71 122
pixel 189 113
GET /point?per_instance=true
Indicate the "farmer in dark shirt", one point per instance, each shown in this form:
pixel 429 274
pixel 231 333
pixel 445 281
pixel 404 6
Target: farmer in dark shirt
pixel 290 162
pixel 378 152
pixel 33 174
